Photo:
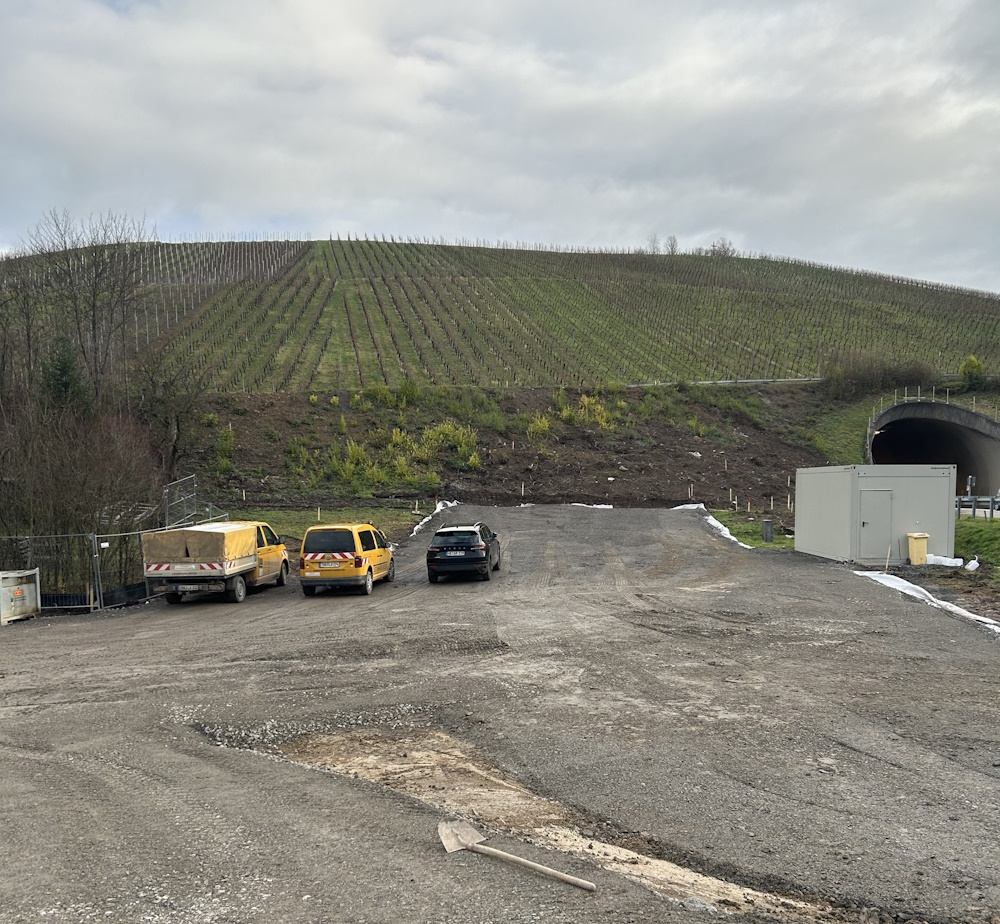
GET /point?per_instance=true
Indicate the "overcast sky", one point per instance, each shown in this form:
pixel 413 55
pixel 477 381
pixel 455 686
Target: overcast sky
pixel 861 133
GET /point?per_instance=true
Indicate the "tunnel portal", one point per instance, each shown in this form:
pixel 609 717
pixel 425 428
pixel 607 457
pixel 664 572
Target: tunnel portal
pixel 934 433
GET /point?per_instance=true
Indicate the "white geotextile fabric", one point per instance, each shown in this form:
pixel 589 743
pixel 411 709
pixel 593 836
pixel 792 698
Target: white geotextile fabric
pixel 912 590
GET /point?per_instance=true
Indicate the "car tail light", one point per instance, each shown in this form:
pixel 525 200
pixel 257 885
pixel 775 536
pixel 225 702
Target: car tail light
pixel 357 561
pixel 479 548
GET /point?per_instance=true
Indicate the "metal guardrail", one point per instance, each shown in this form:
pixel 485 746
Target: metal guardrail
pixel 940 395
pixel 976 505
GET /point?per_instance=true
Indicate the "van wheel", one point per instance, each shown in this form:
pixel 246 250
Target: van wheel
pixel 173 598
pixel 391 576
pixel 238 592
pixel 366 588
pixel 309 591
pixel 282 575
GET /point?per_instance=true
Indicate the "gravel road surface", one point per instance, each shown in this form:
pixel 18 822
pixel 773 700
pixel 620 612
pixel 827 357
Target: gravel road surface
pixel 762 717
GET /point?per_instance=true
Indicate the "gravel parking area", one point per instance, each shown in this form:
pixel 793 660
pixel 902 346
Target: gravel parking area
pixel 762 718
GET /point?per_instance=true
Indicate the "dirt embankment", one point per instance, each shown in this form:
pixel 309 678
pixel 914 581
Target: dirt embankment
pixel 719 458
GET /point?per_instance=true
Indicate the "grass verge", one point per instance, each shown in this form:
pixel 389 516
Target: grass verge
pixel 396 522
pixel 980 538
pixel 748 528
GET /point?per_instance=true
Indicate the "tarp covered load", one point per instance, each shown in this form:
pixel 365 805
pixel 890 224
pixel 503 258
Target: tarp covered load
pixel 208 542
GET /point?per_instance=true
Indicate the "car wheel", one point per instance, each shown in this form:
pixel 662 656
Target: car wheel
pixel 433 578
pixel 173 598
pixel 238 592
pixel 366 588
pixel 391 576
pixel 486 573
pixel 496 567
pixel 309 591
pixel 282 575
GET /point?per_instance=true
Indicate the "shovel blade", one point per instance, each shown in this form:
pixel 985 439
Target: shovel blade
pixel 457 835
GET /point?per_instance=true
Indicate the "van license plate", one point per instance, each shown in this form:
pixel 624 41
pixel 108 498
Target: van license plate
pixel 329 564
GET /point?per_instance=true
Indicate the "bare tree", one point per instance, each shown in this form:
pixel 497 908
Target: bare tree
pixel 723 247
pixel 22 315
pixel 171 390
pixel 93 279
pixel 69 460
pixel 671 246
pixel 652 243
pixel 76 473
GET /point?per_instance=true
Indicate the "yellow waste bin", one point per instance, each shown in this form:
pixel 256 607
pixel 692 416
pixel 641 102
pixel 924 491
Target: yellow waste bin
pixel 918 548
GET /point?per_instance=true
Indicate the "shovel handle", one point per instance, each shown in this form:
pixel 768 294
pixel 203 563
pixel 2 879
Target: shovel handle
pixel 537 867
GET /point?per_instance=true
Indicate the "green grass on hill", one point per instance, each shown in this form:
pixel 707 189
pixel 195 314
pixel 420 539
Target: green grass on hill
pixel 979 538
pixel 337 316
pixel 839 432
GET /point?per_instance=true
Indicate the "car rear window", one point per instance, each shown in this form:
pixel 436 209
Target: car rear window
pixel 329 540
pixel 458 537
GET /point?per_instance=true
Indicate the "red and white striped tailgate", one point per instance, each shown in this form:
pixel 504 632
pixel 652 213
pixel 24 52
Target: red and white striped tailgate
pixel 160 567
pixel 333 556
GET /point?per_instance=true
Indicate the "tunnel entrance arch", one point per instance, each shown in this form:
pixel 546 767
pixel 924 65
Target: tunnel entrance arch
pixel 924 432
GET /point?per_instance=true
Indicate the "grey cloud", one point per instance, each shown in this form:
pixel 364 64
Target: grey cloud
pixel 847 132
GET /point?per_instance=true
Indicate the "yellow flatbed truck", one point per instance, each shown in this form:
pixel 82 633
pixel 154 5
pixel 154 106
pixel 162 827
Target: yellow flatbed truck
pixel 213 557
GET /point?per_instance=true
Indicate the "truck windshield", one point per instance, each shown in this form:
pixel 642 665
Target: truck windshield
pixel 329 540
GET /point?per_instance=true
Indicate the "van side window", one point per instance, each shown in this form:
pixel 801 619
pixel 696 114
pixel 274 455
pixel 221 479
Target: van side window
pixel 380 540
pixel 367 540
pixel 260 538
pixel 269 537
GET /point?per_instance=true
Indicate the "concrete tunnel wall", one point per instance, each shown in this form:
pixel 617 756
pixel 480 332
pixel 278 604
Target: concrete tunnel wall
pixel 934 433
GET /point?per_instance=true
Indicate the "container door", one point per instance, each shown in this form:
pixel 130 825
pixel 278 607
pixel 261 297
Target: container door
pixel 875 533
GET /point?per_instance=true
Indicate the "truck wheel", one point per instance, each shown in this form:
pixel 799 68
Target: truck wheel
pixel 309 591
pixel 238 592
pixel 173 598
pixel 282 575
pixel 366 588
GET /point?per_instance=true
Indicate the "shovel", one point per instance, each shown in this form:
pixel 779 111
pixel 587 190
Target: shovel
pixel 460 835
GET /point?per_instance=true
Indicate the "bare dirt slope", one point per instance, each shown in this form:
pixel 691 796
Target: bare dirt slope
pixel 761 718
pixel 709 454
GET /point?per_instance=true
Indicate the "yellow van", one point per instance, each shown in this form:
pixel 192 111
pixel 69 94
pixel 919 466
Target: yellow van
pixel 344 555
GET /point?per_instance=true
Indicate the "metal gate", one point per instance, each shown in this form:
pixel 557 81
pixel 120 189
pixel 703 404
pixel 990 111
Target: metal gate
pixel 86 571
pixel 182 508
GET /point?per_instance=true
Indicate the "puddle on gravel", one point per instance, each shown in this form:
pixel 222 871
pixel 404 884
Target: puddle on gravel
pixel 439 770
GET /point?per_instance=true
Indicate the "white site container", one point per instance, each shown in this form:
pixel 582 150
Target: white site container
pixel 865 513
pixel 20 595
